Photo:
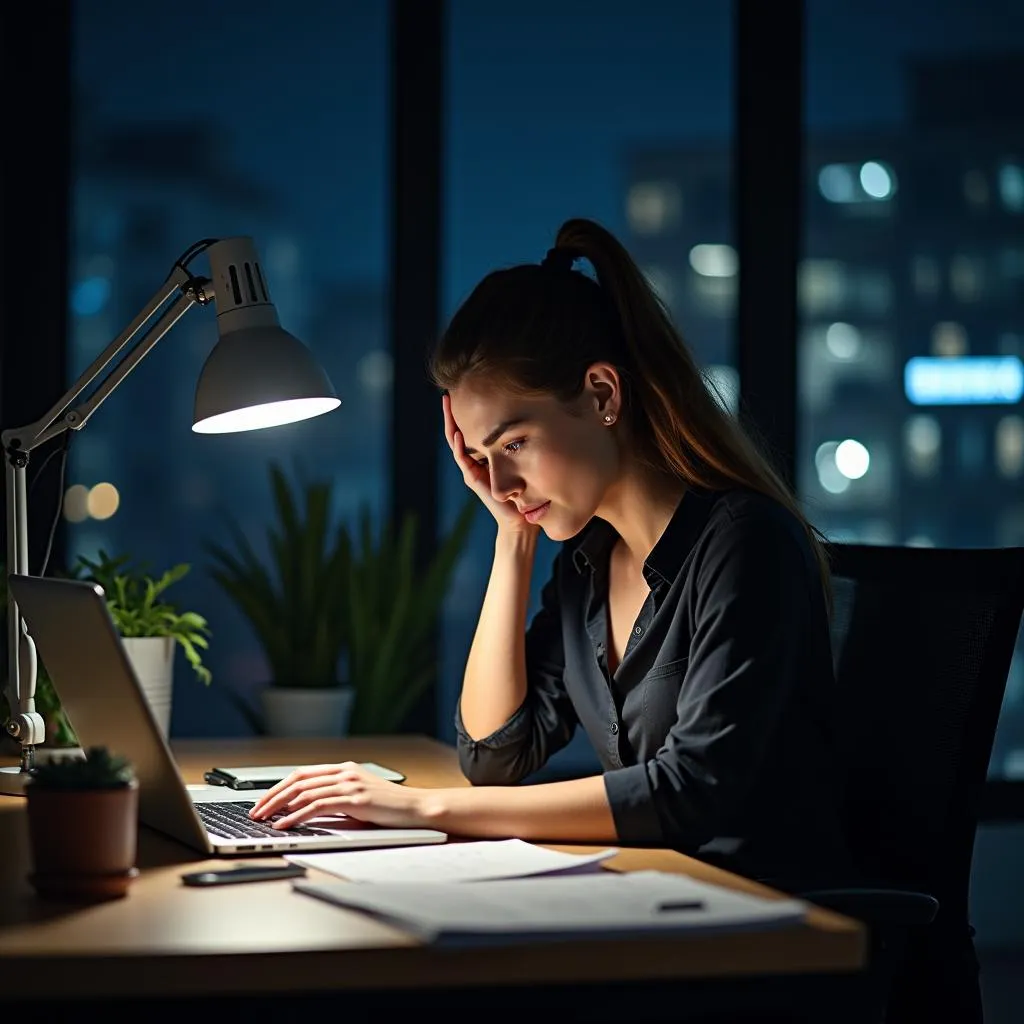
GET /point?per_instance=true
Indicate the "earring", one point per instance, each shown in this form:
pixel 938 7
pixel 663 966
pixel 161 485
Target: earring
pixel 609 418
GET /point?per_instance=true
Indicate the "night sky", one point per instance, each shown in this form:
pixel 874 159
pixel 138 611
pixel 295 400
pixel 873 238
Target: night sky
pixel 542 98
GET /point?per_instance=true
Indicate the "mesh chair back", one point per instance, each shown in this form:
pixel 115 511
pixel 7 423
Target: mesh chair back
pixel 922 643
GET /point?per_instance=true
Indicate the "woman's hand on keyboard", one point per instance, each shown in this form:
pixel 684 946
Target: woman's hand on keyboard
pixel 325 789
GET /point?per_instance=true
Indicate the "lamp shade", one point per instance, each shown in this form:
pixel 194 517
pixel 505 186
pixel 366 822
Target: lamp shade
pixel 258 375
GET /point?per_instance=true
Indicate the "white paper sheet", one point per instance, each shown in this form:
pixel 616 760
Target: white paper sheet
pixel 606 904
pixel 454 862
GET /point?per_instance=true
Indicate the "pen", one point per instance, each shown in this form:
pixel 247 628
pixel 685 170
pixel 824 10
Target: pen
pixel 681 905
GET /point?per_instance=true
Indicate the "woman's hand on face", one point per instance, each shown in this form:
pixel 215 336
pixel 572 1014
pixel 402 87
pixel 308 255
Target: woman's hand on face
pixel 477 477
pixel 348 788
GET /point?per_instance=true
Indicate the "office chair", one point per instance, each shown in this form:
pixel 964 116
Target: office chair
pixel 922 642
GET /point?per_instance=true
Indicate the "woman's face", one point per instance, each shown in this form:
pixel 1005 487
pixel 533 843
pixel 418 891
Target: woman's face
pixel 540 454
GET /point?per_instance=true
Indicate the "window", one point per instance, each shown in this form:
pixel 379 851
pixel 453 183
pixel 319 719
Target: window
pixel 623 116
pixel 183 135
pixel 929 102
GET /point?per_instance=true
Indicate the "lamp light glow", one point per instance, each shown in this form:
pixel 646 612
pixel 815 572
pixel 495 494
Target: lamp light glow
pixel 270 414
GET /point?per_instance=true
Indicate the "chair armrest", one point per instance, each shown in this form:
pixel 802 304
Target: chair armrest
pixel 885 908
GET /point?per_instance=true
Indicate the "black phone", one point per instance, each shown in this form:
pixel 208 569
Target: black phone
pixel 230 876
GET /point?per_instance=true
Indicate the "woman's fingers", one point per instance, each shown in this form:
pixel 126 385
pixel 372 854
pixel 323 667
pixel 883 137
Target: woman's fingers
pixel 310 776
pixel 449 421
pixel 475 475
pixel 315 800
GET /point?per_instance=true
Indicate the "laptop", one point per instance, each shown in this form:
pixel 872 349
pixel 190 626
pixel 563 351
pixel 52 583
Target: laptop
pixel 77 641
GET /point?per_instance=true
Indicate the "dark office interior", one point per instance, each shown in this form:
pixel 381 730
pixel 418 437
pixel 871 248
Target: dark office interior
pixel 827 195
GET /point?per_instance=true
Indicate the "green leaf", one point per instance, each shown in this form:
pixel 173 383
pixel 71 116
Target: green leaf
pixel 331 591
pixel 137 605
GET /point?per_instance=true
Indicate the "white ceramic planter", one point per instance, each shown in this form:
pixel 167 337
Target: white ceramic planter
pixel 152 657
pixel 295 711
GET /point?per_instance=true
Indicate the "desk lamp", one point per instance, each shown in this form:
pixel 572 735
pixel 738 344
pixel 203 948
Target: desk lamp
pixel 258 375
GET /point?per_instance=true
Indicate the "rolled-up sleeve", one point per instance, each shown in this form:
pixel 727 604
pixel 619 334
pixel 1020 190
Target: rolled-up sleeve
pixel 751 607
pixel 545 721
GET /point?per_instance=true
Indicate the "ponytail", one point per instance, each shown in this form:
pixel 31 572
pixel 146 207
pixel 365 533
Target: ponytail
pixel 536 329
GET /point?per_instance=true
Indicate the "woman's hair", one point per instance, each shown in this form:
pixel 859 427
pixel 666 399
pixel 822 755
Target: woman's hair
pixel 534 329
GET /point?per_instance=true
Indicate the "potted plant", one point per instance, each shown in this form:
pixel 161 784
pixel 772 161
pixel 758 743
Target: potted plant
pixel 344 618
pixel 151 627
pixel 83 826
pixel 391 617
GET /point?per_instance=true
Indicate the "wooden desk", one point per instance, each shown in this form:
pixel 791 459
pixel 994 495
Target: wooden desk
pixel 165 939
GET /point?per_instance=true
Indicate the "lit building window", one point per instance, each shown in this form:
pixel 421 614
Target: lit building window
pixel 653 207
pixel 1011 186
pixel 840 462
pixel 843 341
pixel 872 181
pixel 714 260
pixel 949 339
pixel 1010 446
pixel 823 285
pixel 976 190
pixel 877 180
pixel 852 459
pixel 922 442
pixel 829 477
pixel 837 183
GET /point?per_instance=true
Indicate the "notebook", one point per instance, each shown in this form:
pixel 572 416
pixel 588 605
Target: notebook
pixel 607 905
pixel 77 641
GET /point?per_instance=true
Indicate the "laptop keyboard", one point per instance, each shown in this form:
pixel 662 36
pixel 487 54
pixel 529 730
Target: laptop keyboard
pixel 232 821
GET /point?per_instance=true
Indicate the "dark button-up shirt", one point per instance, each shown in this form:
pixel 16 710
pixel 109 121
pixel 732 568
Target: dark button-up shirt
pixel 714 732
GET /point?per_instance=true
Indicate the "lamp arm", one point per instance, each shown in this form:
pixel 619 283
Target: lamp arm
pixel 26 724
pixel 61 417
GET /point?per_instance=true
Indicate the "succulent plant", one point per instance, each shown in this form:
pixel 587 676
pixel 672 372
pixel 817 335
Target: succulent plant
pixel 99 769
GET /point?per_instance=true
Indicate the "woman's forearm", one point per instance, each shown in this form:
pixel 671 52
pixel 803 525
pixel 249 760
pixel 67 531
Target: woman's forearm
pixel 576 811
pixel 494 683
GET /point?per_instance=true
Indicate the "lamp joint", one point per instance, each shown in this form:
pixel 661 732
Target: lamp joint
pixel 15 456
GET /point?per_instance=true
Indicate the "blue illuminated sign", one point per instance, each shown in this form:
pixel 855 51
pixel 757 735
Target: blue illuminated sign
pixel 968 380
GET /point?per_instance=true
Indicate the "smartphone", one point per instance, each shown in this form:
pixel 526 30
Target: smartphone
pixel 230 876
pixel 263 777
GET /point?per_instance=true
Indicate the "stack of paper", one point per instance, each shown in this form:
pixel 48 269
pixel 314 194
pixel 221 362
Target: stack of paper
pixel 606 905
pixel 453 862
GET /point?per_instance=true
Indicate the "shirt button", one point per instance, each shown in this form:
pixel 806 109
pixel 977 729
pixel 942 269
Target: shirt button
pixel 637 630
pixel 615 728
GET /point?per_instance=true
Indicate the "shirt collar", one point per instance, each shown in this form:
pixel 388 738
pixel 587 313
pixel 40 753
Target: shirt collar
pixel 667 558
pixel 593 546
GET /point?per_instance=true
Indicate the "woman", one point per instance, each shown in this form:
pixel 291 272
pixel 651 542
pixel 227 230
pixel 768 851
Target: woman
pixel 684 625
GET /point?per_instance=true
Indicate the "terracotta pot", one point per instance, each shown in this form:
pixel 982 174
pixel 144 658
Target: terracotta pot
pixel 83 841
